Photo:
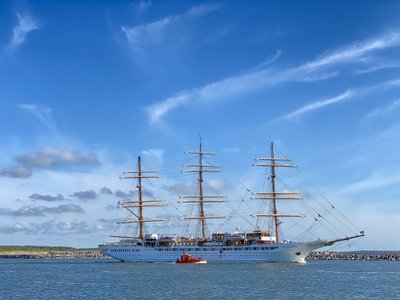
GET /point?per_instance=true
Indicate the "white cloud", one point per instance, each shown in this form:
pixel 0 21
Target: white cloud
pixel 158 110
pixel 49 158
pixel 385 110
pixel 342 97
pixel 42 114
pixel 377 68
pixel 33 210
pixel 319 104
pixel 140 8
pixel 25 25
pixel 269 61
pixel 356 50
pixel 262 77
pixel 379 179
pixel 16 172
pixel 215 185
pixel 181 188
pixel 141 36
pixel 154 153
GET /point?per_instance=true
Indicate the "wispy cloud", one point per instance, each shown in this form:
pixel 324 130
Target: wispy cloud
pixel 320 104
pixel 261 77
pixel 384 110
pixel 180 188
pixel 14 228
pixel 25 24
pixel 154 153
pixel 142 36
pixel 270 60
pixel 356 50
pixel 140 8
pixel 52 158
pixel 74 226
pixel 85 195
pixel 36 211
pixel 377 68
pixel 42 114
pixel 57 228
pixel 49 158
pixel 123 195
pixel 16 172
pixel 342 97
pixel 47 198
pixel 377 180
pixel 106 191
pixel 154 31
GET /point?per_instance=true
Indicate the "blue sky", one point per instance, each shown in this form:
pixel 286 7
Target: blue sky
pixel 86 86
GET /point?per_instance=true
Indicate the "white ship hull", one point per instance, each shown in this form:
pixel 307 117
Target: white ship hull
pixel 281 252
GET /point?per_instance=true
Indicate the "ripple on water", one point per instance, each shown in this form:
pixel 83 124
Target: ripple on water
pixel 108 279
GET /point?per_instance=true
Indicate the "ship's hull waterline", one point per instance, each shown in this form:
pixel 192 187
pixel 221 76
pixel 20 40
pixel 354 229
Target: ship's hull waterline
pixel 281 252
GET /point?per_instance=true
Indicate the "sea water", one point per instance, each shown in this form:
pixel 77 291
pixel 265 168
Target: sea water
pixel 109 279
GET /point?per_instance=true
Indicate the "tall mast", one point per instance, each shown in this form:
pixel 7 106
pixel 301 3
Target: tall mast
pixel 203 225
pixel 141 226
pixel 273 193
pixel 201 168
pixel 140 203
pixel 274 196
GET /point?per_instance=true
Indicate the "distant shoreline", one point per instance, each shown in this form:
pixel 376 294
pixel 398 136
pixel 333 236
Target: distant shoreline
pixel 42 252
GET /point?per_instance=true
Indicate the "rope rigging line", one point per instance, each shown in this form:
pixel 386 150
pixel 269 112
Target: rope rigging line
pixel 355 228
pixel 233 210
pixel 315 213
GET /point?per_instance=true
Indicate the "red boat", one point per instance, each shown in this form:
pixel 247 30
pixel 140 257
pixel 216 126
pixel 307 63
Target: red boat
pixel 188 259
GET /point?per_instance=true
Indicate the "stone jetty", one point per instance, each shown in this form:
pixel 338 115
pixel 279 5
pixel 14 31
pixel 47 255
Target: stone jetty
pixel 355 255
pixel 57 255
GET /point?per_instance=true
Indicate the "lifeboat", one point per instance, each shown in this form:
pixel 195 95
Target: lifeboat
pixel 189 259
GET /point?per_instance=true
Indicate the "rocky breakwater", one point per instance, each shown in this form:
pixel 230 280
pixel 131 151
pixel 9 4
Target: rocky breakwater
pixel 355 255
pixel 57 255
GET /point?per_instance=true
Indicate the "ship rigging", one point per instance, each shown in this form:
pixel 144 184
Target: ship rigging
pixel 257 245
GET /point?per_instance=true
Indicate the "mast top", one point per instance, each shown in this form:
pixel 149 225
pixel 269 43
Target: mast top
pixel 132 205
pixel 201 198
pixel 274 195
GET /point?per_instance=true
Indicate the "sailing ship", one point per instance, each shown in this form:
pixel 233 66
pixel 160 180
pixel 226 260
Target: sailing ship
pixel 257 245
